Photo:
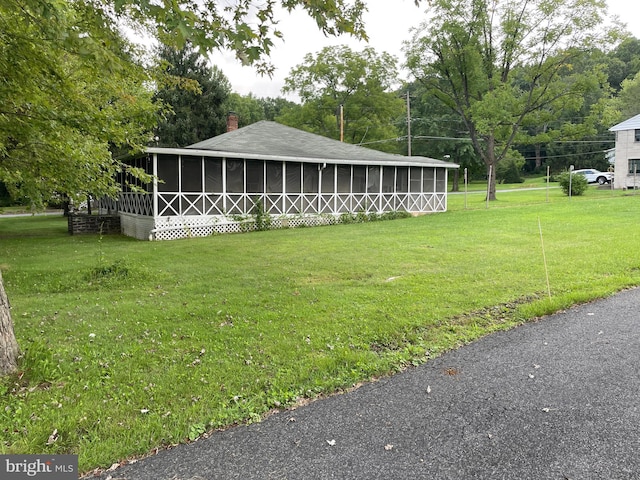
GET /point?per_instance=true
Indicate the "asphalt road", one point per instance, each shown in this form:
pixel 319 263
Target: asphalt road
pixel 554 399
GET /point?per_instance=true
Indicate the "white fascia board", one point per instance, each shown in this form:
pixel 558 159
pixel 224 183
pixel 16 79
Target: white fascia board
pixel 402 161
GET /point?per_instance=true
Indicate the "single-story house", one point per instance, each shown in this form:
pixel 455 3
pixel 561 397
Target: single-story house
pixel 627 154
pixel 295 177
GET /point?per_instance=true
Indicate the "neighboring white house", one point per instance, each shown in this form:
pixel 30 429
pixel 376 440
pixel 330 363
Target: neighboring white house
pixel 298 178
pixel 627 156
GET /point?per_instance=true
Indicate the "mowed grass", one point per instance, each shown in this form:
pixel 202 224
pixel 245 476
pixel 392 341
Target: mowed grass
pixel 129 345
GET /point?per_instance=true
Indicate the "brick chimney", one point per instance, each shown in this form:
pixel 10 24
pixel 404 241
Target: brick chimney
pixel 232 121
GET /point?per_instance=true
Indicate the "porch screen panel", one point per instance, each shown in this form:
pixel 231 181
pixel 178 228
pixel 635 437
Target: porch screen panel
pixel 294 177
pixel 359 179
pixel 255 176
pixel 415 179
pixel 402 180
pixel 274 177
pixel 310 177
pixel 373 180
pixel 441 180
pixel 147 165
pixel 388 179
pixel 191 174
pixel 121 179
pixel 127 181
pixel 344 179
pixel 428 182
pixel 213 175
pixel 328 179
pixel 235 175
pixel 168 173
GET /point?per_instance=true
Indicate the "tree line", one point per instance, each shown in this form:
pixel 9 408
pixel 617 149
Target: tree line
pixel 524 111
pixel 498 87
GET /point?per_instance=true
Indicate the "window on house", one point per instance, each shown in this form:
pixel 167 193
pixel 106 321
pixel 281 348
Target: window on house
pixel 429 182
pixel 255 176
pixel 388 179
pixel 637 134
pixel 235 175
pixel 373 179
pixel 310 177
pixel 328 179
pixel 344 178
pixel 359 179
pixel 441 180
pixel 274 177
pixel 415 179
pixel 168 173
pixel 213 175
pixel 402 180
pixel 634 166
pixel 294 175
pixel 191 174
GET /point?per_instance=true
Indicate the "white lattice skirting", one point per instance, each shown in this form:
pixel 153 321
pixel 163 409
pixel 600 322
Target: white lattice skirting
pixel 174 228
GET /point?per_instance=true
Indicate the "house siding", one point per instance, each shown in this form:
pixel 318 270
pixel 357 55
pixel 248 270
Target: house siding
pixel 626 149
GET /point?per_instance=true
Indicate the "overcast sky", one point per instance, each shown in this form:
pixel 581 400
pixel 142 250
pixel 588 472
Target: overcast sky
pixel 387 23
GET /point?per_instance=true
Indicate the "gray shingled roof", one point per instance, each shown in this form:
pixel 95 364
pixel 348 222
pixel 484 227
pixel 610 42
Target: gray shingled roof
pixel 271 140
pixel 632 124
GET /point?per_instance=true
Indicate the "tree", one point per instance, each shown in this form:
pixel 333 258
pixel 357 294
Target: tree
pixel 248 108
pixel 195 94
pixel 246 27
pixel 346 92
pixel 274 107
pixel 65 104
pixel 83 91
pixel 437 132
pixel 8 343
pixel 498 63
pixel 624 62
pixel 627 103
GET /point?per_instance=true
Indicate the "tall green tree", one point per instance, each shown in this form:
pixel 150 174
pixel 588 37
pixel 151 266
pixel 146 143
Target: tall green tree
pixel 71 91
pixel 624 62
pixel 195 94
pixel 251 109
pixel 577 134
pixel 627 102
pixel 72 88
pixel 497 63
pixel 248 108
pixel 346 93
pixel 246 27
pixel 275 106
pixel 437 132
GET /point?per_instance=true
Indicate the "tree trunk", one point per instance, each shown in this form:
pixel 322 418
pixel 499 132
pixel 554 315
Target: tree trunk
pixel 538 156
pixel 456 181
pixel 491 169
pixel 8 344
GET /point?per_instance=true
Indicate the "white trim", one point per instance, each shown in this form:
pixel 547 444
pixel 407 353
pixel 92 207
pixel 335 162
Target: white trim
pixel 398 160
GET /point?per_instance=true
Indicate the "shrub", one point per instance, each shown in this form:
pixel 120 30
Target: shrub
pixel 578 183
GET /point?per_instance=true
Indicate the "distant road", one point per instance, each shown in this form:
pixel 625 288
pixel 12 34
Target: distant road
pixel 505 190
pixel 30 214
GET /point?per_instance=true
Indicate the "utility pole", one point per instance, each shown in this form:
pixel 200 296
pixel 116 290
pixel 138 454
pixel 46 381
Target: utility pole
pixel 341 123
pixel 408 125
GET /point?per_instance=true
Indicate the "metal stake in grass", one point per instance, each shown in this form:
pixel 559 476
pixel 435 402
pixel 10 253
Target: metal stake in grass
pixel 544 258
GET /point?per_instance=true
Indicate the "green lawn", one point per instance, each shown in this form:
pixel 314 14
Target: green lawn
pixel 131 345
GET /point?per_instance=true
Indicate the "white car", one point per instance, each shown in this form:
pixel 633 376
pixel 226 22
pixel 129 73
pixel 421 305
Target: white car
pixel 595 176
